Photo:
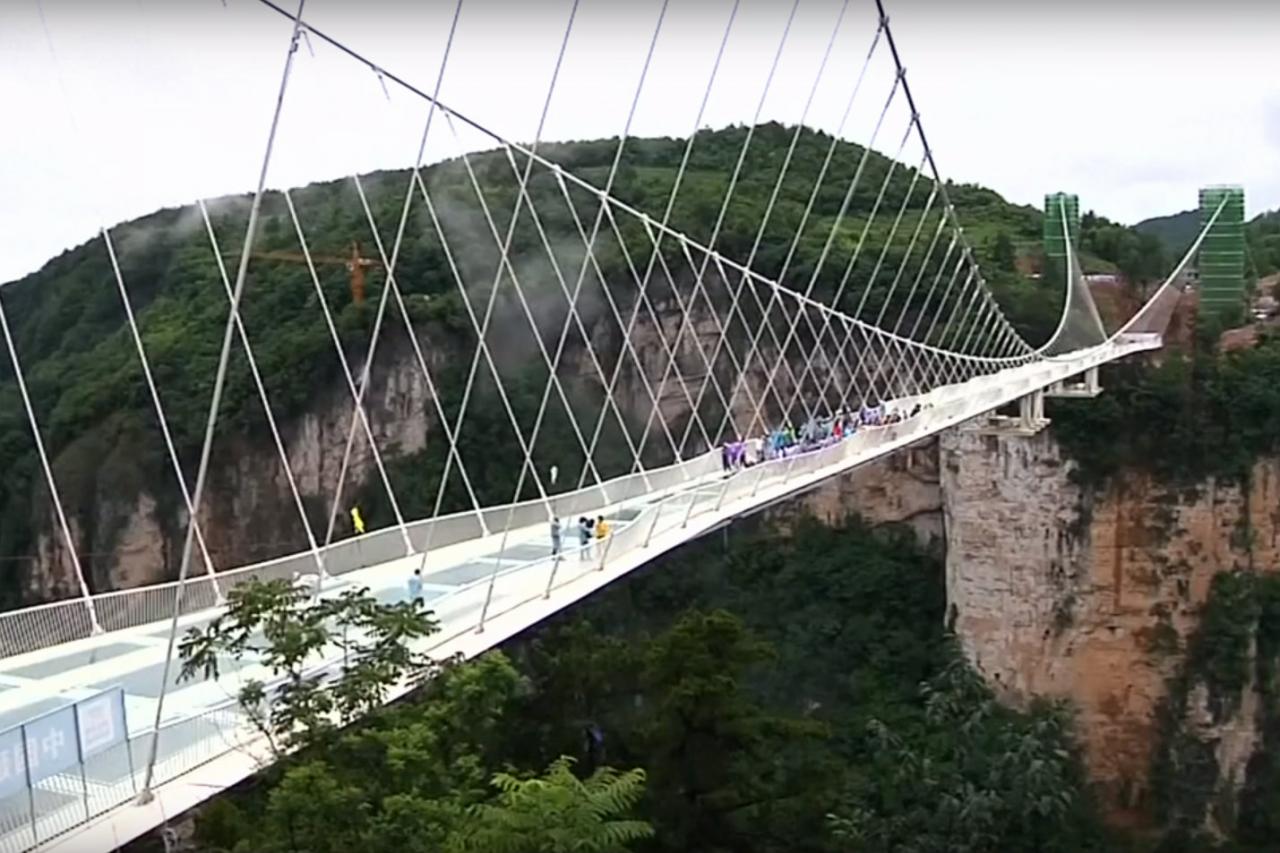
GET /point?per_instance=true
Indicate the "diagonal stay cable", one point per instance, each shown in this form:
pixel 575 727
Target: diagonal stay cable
pixel 906 258
pixel 942 267
pixel 553 379
pixel 817 185
pixel 262 396
pixel 343 362
pixel 219 382
pixel 589 258
pixel 627 345
pixel 669 349
pixel 642 295
pixel 832 233
pixel 857 251
pixel 685 312
pixel 393 285
pixel 482 327
pixel 94 625
pixel 884 252
pixel 389 269
pixel 777 190
pixel 742 156
pixel 136 334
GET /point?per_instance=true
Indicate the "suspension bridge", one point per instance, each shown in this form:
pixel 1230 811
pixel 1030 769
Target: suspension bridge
pixel 861 351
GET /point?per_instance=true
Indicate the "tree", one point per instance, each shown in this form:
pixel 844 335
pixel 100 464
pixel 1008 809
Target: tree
pixel 724 768
pixel 288 631
pixel 1002 253
pixel 555 813
pixel 984 779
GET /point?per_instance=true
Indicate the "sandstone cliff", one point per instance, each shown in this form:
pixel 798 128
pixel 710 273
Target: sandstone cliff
pixel 1062 592
pixel 129 530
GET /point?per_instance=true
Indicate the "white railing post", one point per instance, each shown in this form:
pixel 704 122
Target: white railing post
pixel 488 596
pixel 657 513
pixel 555 564
pixel 688 513
pixel 725 491
pixel 791 466
pixel 604 555
pixel 764 466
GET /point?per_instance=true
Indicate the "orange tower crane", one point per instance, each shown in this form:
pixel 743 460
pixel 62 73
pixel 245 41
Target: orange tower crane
pixel 355 264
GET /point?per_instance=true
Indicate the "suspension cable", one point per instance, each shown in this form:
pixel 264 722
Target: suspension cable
pixel 389 267
pixel 94 625
pixel 219 382
pixel 642 296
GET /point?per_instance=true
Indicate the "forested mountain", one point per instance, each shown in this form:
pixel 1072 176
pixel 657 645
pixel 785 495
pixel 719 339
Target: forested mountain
pixel 1262 236
pixel 1175 231
pixel 97 418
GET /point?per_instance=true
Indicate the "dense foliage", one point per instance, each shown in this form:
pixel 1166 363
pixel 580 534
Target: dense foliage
pixel 97 417
pixel 793 692
pixel 1262 237
pixel 1191 416
pixel 1234 650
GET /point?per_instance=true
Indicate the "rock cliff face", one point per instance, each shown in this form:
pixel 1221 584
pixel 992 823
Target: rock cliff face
pixel 134 531
pixel 1061 592
pixel 903 488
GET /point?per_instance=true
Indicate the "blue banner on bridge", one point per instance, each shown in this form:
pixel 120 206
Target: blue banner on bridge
pixel 13 769
pixel 59 740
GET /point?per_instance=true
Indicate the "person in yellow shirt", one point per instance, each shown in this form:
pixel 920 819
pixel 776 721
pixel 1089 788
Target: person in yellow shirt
pixel 602 528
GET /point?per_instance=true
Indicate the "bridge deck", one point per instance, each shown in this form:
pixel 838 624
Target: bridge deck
pixel 207 745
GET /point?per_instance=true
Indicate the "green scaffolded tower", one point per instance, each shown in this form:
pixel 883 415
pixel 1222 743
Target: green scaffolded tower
pixel 1221 260
pixel 1055 241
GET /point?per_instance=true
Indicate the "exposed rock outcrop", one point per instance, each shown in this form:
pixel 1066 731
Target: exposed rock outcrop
pixel 902 488
pixel 1057 591
pixel 130 531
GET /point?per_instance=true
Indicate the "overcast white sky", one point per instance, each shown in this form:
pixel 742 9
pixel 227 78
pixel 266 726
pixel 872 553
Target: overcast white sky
pixel 148 103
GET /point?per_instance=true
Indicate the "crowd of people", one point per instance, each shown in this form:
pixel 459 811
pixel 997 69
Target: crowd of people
pixel 818 432
pixel 776 444
pixel 589 530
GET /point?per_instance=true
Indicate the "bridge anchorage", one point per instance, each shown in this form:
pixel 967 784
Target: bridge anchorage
pixel 663 348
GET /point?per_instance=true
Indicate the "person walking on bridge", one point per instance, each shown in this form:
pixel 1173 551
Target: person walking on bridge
pixel 415 588
pixel 555 536
pixel 584 537
pixel 602 528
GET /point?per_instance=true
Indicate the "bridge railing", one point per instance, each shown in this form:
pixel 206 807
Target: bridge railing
pixel 45 625
pixel 51 624
pixel 188 742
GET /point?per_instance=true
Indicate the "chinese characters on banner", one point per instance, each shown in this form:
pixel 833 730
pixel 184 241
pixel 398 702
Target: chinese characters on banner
pixel 59 740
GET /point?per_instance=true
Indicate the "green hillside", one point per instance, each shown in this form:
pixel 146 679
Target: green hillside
pixel 1175 232
pixel 88 387
pixel 1262 236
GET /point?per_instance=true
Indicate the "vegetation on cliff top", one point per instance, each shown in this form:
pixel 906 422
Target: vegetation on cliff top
pixel 1191 416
